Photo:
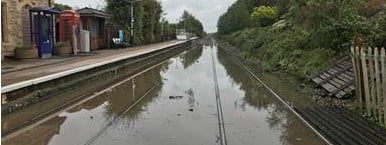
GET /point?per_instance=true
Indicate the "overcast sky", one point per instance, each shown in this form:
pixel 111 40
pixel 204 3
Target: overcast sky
pixel 207 11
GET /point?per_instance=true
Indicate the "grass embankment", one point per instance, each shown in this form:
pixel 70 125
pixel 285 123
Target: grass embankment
pixel 277 50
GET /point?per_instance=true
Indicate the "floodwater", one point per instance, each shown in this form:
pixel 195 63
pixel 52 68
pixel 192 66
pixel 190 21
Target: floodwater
pixel 174 103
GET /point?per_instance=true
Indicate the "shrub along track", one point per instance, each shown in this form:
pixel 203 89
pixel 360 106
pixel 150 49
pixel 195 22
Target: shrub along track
pixel 334 125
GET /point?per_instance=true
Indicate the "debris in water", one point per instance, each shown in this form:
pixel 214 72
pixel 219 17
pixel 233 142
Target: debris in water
pixel 218 138
pixel 189 92
pixel 175 97
pixel 298 139
pixel 302 86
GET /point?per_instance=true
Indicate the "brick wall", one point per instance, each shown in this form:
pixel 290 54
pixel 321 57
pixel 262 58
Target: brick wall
pixel 12 22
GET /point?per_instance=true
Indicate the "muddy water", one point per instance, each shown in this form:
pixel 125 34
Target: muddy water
pixel 174 104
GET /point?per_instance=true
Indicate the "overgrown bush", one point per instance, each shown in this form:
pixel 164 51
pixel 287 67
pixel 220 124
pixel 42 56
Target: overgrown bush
pixel 265 15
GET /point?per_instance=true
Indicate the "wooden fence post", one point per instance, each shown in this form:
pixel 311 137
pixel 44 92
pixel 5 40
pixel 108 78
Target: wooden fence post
pixel 357 73
pixel 383 69
pixel 366 82
pixel 370 72
pixel 378 85
pixel 373 98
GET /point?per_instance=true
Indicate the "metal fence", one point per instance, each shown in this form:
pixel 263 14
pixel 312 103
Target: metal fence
pixel 370 78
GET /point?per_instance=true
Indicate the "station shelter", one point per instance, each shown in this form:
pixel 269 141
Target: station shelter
pixel 95 21
pixel 42 29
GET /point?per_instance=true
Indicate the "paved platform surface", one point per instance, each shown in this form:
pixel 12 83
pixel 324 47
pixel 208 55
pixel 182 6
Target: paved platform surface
pixel 32 69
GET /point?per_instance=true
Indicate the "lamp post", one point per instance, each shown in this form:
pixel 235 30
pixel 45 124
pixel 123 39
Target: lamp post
pixel 132 21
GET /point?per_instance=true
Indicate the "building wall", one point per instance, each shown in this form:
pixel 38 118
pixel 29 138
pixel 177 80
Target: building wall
pixel 97 30
pixel 12 22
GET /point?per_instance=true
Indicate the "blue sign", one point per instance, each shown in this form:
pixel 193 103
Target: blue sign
pixel 121 35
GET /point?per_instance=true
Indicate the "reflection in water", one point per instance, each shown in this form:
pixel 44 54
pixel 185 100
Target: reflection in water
pixel 191 99
pixel 190 58
pixel 252 115
pixel 257 96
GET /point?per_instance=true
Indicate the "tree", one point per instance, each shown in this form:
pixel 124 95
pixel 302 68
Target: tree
pixel 238 15
pixel 191 24
pixel 147 15
pixel 236 18
pixel 62 6
pixel 151 19
pixel 265 15
pixel 120 14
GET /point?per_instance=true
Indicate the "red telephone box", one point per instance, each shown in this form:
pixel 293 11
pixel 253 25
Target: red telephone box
pixel 69 28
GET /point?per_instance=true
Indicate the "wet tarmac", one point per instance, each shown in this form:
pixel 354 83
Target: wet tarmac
pixel 175 104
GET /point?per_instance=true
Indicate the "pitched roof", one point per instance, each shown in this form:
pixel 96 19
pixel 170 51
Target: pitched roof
pixel 93 13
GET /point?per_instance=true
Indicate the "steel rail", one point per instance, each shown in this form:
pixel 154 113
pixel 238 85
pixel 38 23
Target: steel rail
pixel 220 116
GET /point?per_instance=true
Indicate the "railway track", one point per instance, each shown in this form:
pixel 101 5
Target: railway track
pixel 336 126
pixel 220 116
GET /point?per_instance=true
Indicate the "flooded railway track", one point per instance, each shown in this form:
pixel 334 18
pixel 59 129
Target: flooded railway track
pixel 173 102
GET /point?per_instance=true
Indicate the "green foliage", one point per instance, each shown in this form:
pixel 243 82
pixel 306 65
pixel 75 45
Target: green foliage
pixel 304 32
pixel 265 15
pixel 238 16
pixel 62 6
pixel 148 27
pixel 168 30
pixel 151 19
pixel 191 24
pixel 138 24
pixel 335 23
pixel 286 54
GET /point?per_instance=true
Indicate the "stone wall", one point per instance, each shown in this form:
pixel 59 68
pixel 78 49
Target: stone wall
pixel 13 22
